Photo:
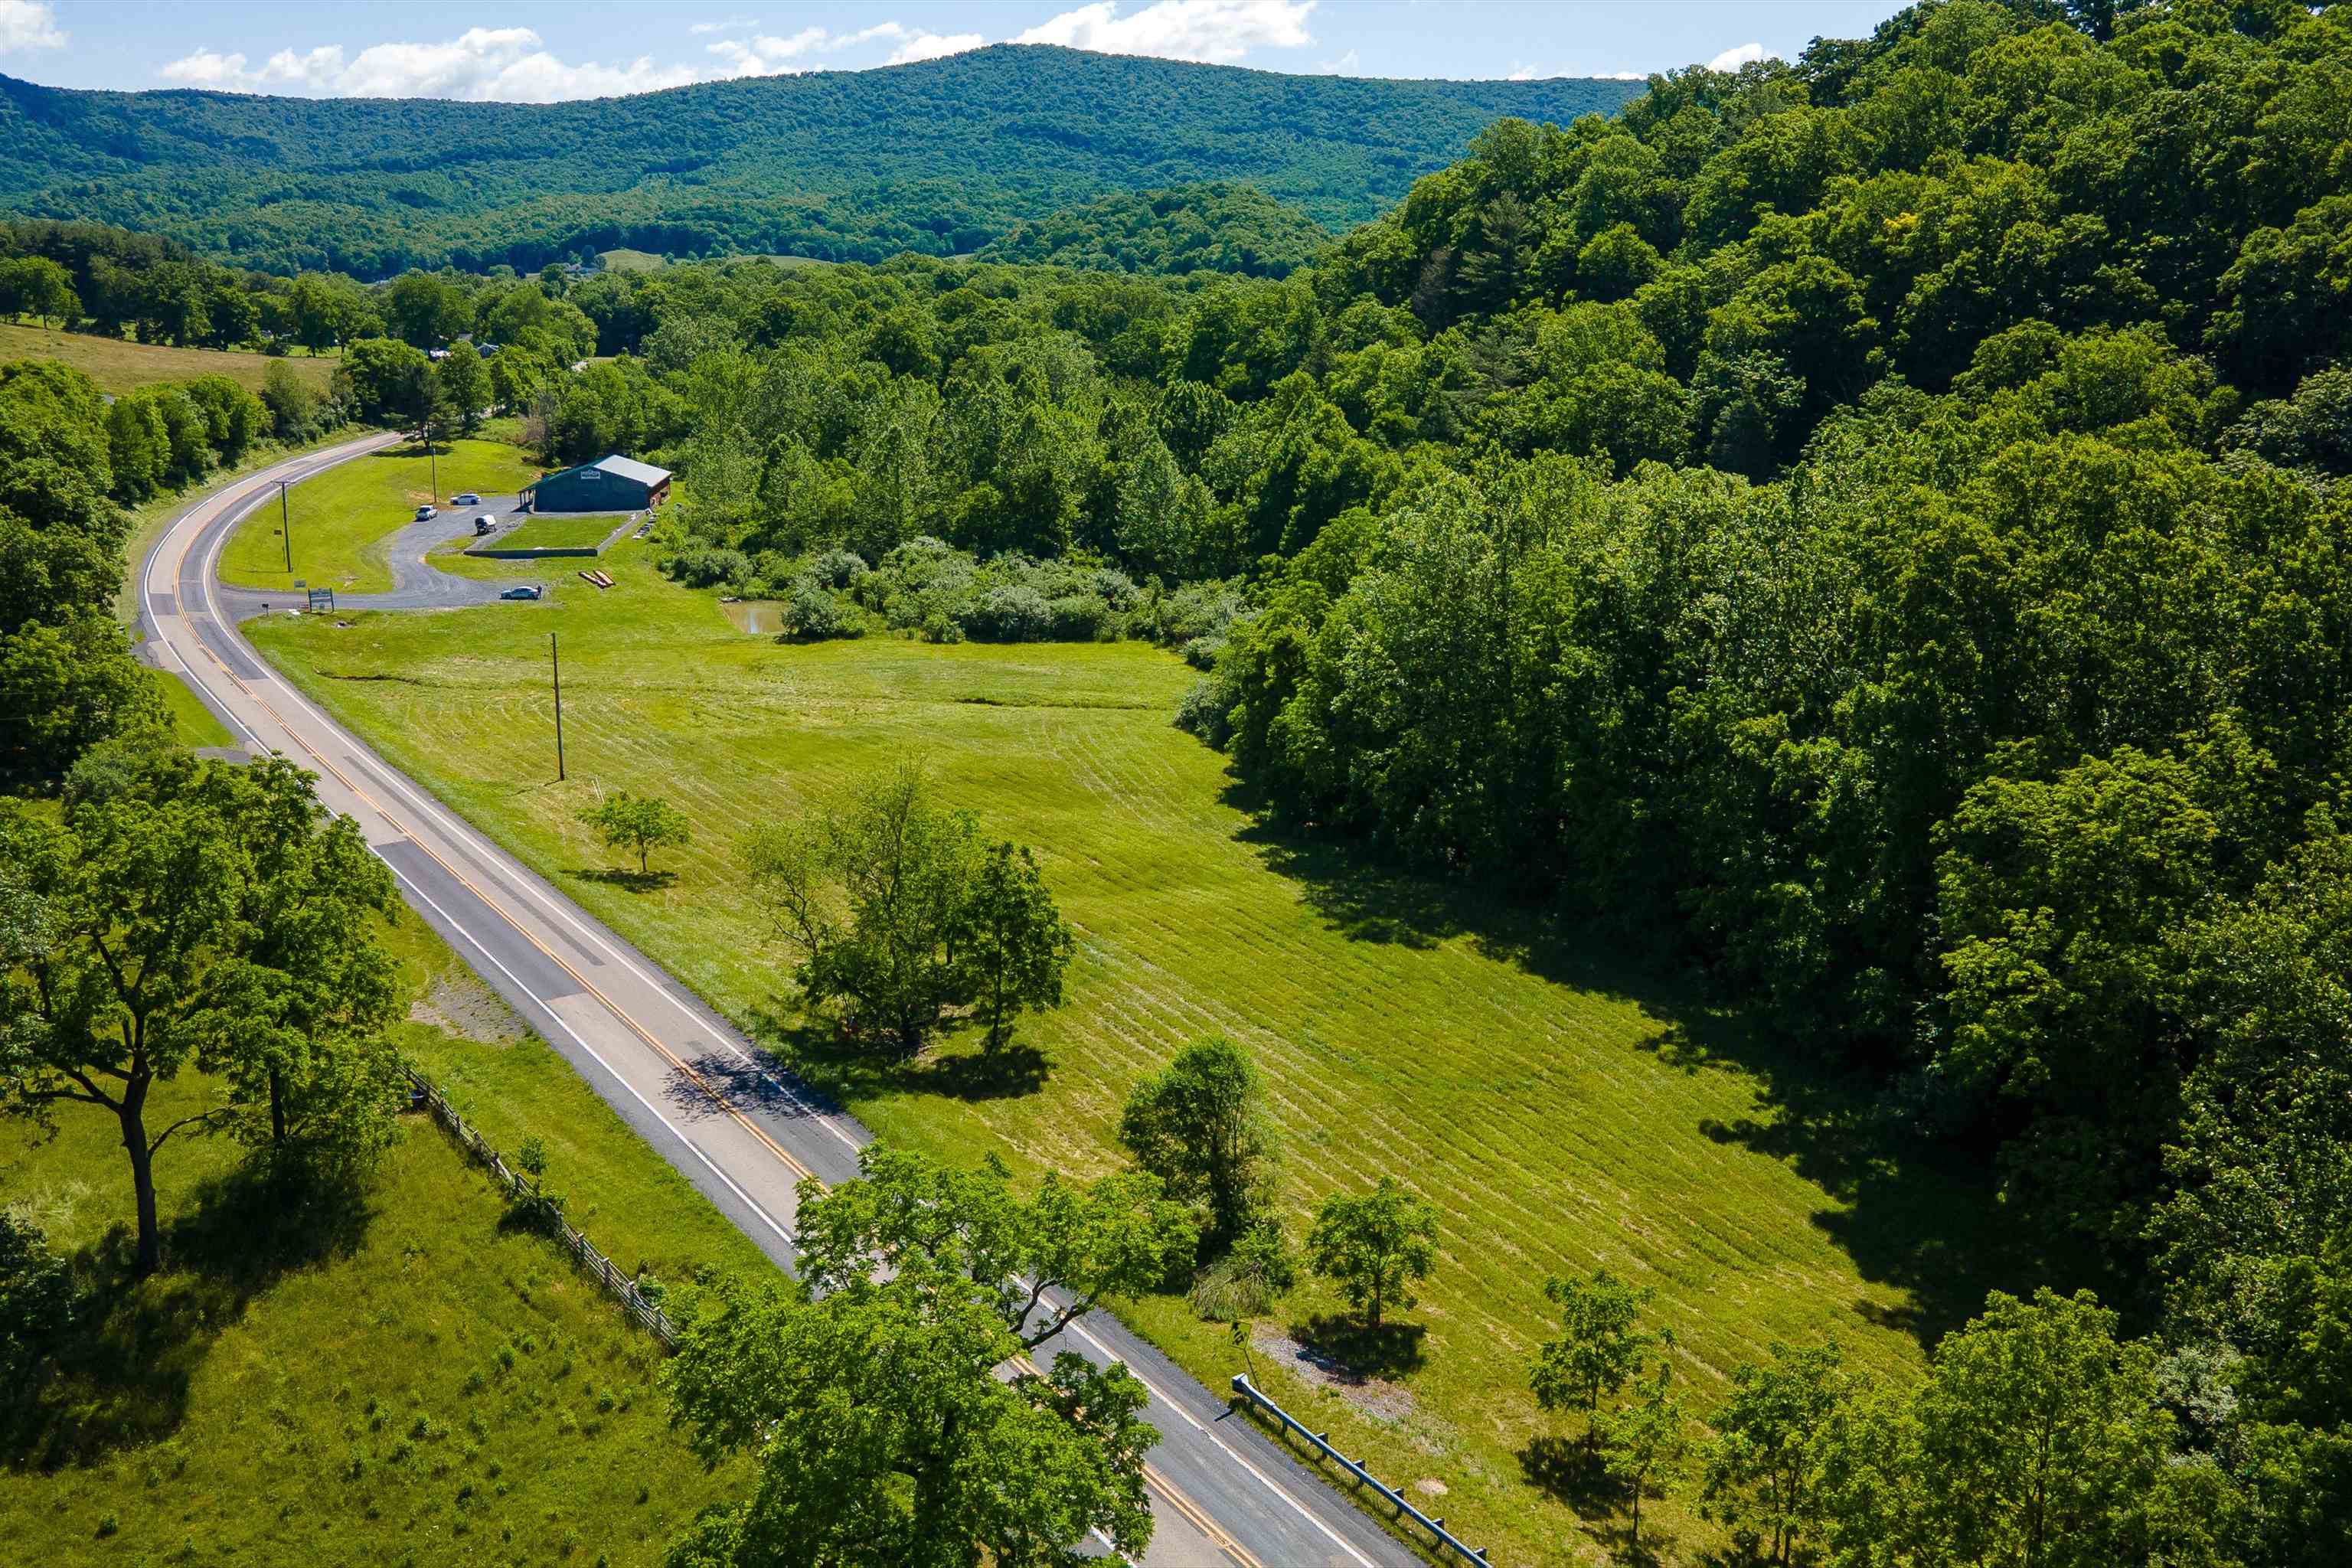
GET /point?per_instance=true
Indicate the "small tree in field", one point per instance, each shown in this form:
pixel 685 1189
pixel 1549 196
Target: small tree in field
pixel 1199 1125
pixel 640 824
pixel 1647 1446
pixel 1018 944
pixel 1598 1349
pixel 1374 1246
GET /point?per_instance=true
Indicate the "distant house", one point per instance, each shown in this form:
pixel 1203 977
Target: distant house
pixel 609 484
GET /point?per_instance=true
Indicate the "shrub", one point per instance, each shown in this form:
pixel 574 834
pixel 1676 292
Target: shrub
pixel 702 567
pixel 1207 711
pixel 814 612
pixel 1007 614
pixel 1077 617
pixel 838 569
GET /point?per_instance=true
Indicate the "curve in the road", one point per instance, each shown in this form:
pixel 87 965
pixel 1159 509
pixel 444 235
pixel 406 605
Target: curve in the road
pixel 695 1089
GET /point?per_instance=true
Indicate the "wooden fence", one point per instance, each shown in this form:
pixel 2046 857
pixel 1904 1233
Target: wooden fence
pixel 619 1286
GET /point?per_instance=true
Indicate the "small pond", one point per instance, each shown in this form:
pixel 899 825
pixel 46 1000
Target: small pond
pixel 758 617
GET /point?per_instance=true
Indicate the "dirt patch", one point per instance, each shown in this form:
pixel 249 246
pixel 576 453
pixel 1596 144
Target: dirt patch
pixel 1374 1396
pixel 469 1010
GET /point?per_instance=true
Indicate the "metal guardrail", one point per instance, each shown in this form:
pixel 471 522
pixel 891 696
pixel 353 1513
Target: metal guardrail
pixel 617 1285
pixel 1445 1539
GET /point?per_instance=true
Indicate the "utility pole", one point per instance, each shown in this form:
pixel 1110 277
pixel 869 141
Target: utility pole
pixel 555 662
pixel 286 526
pixel 431 466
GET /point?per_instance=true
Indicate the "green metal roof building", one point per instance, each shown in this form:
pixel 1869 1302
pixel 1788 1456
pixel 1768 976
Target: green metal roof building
pixel 609 484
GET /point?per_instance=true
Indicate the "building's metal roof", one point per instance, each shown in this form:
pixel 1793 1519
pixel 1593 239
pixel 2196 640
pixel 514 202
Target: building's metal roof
pixel 616 465
pixel 630 468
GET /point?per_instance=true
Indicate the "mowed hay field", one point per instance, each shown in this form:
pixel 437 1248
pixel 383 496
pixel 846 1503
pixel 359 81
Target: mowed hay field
pixel 120 366
pixel 341 517
pixel 1555 1124
pixel 405 1379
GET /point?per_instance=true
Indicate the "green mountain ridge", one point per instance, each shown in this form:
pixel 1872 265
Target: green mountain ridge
pixel 938 158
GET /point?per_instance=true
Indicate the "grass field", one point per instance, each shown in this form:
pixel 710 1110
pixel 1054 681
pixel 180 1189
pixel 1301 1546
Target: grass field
pixel 402 1380
pixel 1554 1102
pixel 562 532
pixel 192 722
pixel 119 366
pixel 342 517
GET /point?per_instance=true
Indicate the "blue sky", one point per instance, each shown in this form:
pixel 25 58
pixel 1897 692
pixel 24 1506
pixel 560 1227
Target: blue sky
pixel 522 50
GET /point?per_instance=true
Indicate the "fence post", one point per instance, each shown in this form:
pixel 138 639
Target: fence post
pixel 583 1252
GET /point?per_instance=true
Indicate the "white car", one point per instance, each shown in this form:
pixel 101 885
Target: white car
pixel 422 512
pixel 468 499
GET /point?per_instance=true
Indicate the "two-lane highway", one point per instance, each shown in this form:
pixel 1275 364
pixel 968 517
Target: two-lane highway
pixel 694 1087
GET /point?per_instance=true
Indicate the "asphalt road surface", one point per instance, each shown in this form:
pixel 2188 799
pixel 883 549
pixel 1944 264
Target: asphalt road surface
pixel 695 1089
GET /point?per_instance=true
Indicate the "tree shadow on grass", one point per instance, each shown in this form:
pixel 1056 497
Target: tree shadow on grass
pixel 1346 1349
pixel 122 1374
pixel 1564 1469
pixel 627 882
pixel 1911 1214
pixel 824 1066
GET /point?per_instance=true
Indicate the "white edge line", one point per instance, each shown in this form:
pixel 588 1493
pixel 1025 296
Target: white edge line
pixel 548 1007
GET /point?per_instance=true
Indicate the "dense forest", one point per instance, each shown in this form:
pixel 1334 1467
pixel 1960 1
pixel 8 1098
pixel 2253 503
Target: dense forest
pixel 1874 530
pixel 937 158
pixel 1215 228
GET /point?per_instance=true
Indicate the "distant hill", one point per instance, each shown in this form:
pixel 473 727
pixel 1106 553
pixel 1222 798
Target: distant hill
pixel 1219 227
pixel 941 157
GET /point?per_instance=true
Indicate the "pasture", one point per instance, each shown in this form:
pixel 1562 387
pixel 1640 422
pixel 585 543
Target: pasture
pixel 117 365
pixel 1564 1108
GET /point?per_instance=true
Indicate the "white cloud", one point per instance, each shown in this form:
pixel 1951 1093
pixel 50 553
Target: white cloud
pixel 766 55
pixel 29 25
pixel 206 67
pixel 776 56
pixel 1348 64
pixel 1731 59
pixel 933 45
pixel 1217 30
pixel 513 64
pixel 507 65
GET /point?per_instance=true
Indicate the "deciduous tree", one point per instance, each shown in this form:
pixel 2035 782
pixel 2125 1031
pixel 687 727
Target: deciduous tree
pixel 1600 1346
pixel 1199 1125
pixel 875 1415
pixel 1115 1237
pixel 1018 944
pixel 1374 1246
pixel 640 824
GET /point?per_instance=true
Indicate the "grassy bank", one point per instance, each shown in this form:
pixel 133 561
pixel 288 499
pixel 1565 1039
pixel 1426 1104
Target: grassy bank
pixel 397 1379
pixel 561 533
pixel 1558 1106
pixel 192 722
pixel 341 518
pixel 120 366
